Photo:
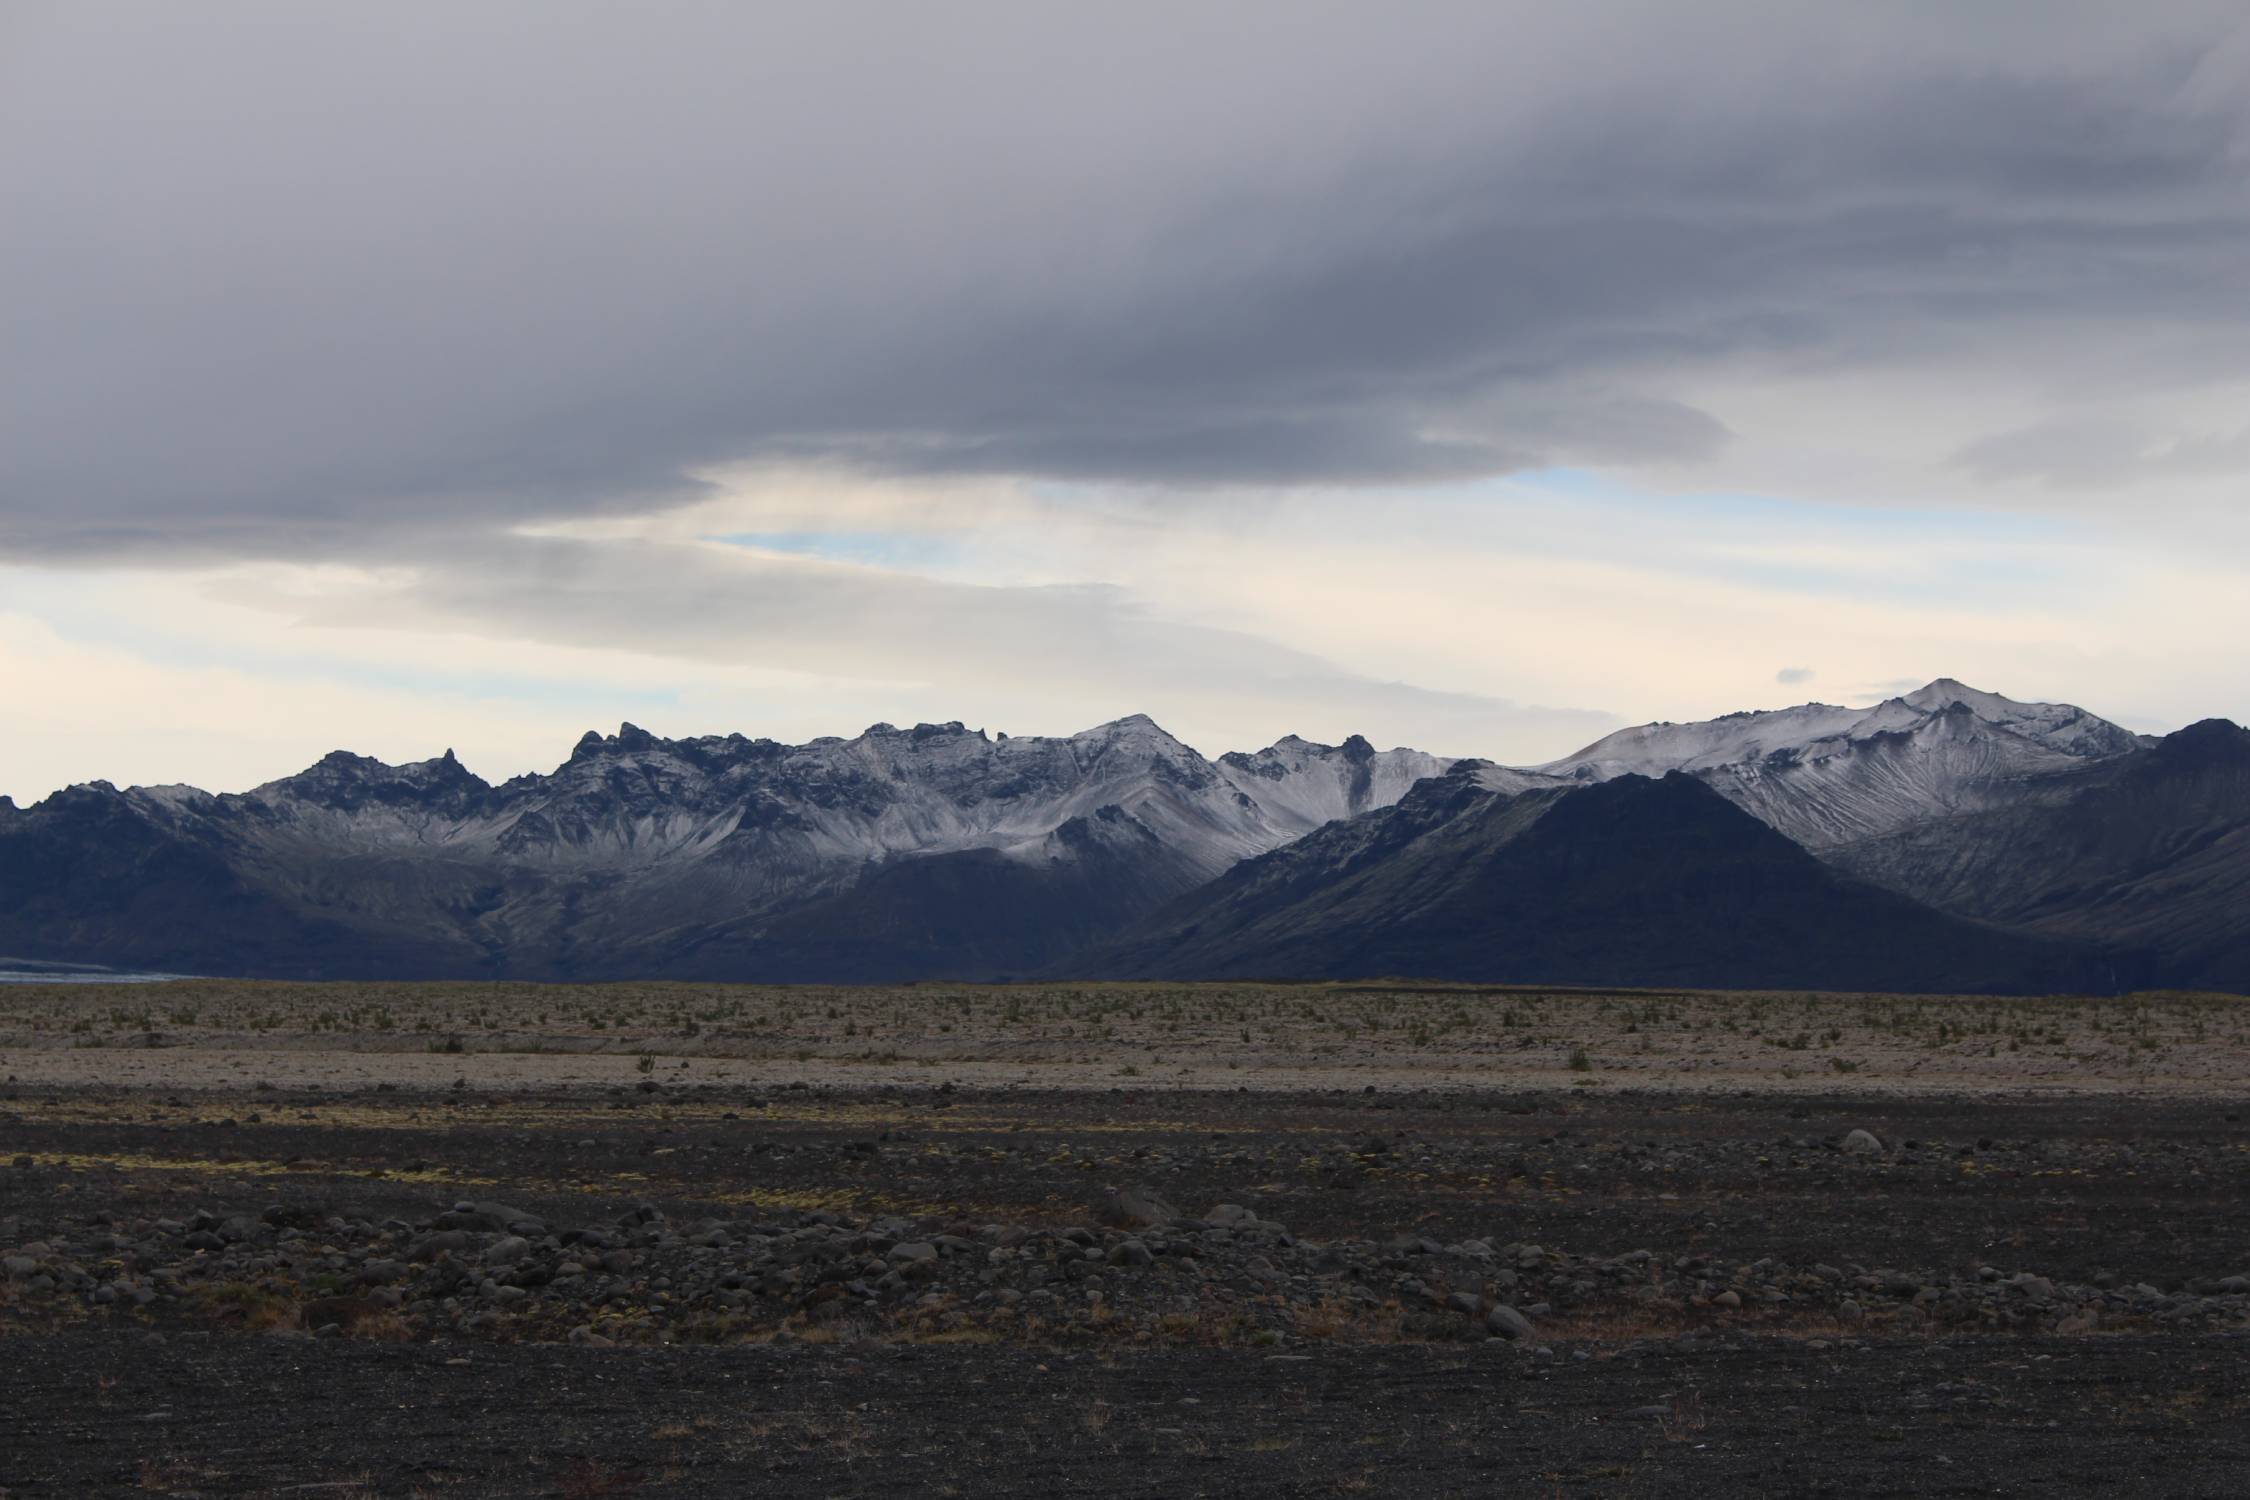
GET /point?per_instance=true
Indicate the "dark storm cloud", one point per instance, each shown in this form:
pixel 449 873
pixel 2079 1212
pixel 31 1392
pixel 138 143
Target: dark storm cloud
pixel 280 277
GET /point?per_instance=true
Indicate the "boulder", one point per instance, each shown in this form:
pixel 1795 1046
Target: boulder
pixel 1135 1208
pixel 1505 1322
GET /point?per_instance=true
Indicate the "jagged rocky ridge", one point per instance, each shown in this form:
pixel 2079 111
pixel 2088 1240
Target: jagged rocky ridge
pixel 898 854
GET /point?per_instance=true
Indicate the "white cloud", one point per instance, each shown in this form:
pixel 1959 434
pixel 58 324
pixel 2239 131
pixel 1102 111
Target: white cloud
pixel 1441 619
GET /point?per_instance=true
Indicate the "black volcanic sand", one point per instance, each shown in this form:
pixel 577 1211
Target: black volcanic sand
pixel 126 1414
pixel 2027 1298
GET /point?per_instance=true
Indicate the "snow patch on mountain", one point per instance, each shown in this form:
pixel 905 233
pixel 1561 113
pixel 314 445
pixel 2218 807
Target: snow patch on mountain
pixel 1827 775
pixel 788 816
pixel 1653 749
pixel 1300 784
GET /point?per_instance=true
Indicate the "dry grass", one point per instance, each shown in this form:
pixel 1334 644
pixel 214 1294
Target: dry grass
pixel 252 1309
pixel 163 1475
pixel 586 1479
pixel 950 1336
pixel 1340 1319
pixel 1159 1035
pixel 1685 1421
pixel 1664 1321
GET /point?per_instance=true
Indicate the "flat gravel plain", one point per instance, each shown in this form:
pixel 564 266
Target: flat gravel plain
pixel 1398 1264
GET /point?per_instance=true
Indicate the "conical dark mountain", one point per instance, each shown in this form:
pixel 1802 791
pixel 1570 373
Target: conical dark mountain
pixel 2149 850
pixel 1628 881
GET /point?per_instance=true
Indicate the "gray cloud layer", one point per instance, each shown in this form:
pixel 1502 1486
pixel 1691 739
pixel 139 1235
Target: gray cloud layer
pixel 279 278
pixel 1065 644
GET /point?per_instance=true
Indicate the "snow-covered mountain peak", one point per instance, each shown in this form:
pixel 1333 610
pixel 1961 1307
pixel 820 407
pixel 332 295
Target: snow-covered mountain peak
pixel 1653 749
pixel 1947 691
pixel 1814 731
pixel 1302 783
pixel 2058 726
pixel 1826 774
pixel 1133 729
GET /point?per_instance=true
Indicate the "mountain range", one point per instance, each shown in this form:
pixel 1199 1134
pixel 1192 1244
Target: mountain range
pixel 898 854
pixel 1947 839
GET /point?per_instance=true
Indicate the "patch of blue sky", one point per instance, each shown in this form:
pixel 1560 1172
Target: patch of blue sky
pixel 1962 558
pixel 1903 521
pixel 875 549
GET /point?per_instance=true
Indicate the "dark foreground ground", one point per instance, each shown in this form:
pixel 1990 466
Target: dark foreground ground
pixel 665 1287
pixel 133 1414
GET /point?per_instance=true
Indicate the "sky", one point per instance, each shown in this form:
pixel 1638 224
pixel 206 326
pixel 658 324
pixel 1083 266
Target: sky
pixel 1480 377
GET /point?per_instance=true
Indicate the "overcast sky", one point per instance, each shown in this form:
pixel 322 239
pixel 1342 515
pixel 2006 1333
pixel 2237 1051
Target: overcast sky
pixel 1480 376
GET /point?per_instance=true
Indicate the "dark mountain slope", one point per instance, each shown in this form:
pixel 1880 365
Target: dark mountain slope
pixel 2151 851
pixel 1628 881
pixel 962 914
pixel 86 872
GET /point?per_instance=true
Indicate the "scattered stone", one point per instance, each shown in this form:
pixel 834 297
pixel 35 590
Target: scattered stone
pixel 1505 1322
pixel 1135 1208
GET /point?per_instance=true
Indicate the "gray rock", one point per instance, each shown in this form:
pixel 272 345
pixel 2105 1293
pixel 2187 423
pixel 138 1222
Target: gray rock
pixel 444 1242
pixel 507 1251
pixel 1505 1322
pixel 489 1218
pixel 1862 1143
pixel 1135 1208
